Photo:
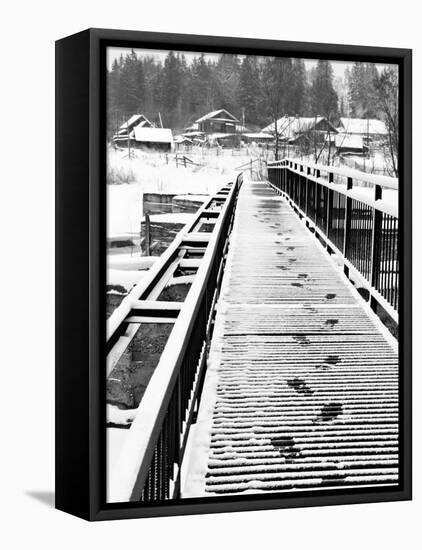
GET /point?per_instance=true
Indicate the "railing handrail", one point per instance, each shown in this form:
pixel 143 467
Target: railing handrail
pixel 137 451
pixel 121 312
pixel 352 175
pixel 375 179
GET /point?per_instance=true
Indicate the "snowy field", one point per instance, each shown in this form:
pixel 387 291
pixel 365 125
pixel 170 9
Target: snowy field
pixel 157 173
pixel 150 172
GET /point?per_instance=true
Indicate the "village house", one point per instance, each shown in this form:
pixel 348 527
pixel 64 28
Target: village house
pixel 260 138
pixel 139 132
pixel 350 144
pixel 183 142
pixel 158 139
pixel 221 122
pixel 126 129
pixel 293 130
pixel 371 130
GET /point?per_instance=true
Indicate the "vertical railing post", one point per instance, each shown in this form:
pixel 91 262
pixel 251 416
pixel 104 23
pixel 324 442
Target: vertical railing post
pixel 376 244
pixel 308 173
pixel 329 204
pixel 347 224
pixel 318 175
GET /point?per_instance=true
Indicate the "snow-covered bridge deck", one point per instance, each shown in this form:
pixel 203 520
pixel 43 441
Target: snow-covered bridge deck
pixel 301 390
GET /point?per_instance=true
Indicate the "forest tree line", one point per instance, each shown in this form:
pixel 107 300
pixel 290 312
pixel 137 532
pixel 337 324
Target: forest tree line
pixel 257 90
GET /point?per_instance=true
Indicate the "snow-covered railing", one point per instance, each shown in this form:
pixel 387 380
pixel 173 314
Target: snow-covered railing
pixel 149 464
pixel 355 215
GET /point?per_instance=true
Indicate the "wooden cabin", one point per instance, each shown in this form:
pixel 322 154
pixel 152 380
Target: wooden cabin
pixel 126 130
pixel 371 130
pixel 158 139
pixel 217 122
pixel 293 130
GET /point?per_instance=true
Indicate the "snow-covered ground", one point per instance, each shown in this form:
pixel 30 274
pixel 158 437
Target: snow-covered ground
pixel 157 173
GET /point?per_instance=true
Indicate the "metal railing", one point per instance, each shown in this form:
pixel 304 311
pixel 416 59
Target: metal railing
pixel 149 465
pixel 355 215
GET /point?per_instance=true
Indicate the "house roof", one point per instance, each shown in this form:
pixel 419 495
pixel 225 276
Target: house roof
pixel 181 139
pixel 347 141
pixel 193 127
pixel 135 120
pixel 288 127
pixel 153 135
pixel 215 115
pixel 258 135
pixel 363 126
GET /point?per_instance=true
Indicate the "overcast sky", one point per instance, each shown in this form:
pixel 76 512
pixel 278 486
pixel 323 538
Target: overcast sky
pixel 113 53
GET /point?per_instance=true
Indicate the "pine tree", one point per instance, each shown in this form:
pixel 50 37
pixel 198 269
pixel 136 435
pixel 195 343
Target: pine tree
pixel 300 100
pixel 250 90
pixel 324 99
pixel 226 79
pixel 131 84
pixel 277 78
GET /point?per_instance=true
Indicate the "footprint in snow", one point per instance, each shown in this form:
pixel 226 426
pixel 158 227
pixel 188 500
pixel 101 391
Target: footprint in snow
pixel 299 386
pixel 329 362
pixel 286 446
pixel 329 412
pixel 301 339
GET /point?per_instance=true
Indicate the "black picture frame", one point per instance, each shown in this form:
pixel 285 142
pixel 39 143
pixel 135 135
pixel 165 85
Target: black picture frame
pixel 80 271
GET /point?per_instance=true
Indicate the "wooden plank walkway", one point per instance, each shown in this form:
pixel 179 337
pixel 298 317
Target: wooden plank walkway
pixel 301 390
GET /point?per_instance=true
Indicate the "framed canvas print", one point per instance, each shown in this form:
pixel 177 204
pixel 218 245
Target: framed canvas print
pixel 233 274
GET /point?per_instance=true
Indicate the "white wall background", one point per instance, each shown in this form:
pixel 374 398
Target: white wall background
pixel 28 31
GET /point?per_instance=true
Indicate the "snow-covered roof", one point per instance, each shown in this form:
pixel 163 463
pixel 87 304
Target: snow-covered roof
pixel 214 114
pixel 348 141
pixel 181 139
pixel 193 127
pixel 154 135
pixel 259 135
pixel 136 120
pixel 219 135
pixel 288 126
pixel 363 126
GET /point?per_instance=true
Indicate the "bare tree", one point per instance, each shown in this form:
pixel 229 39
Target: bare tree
pixel 387 88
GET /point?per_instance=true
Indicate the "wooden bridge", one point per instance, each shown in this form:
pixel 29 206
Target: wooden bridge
pixel 277 374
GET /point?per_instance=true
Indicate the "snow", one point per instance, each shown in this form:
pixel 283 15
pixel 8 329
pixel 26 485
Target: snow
pixel 155 135
pixel 364 126
pixel 130 262
pixel 126 279
pixel 172 218
pixel 213 114
pixel 120 416
pixel 151 173
pixel 193 198
pixel 116 438
pixel 345 140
